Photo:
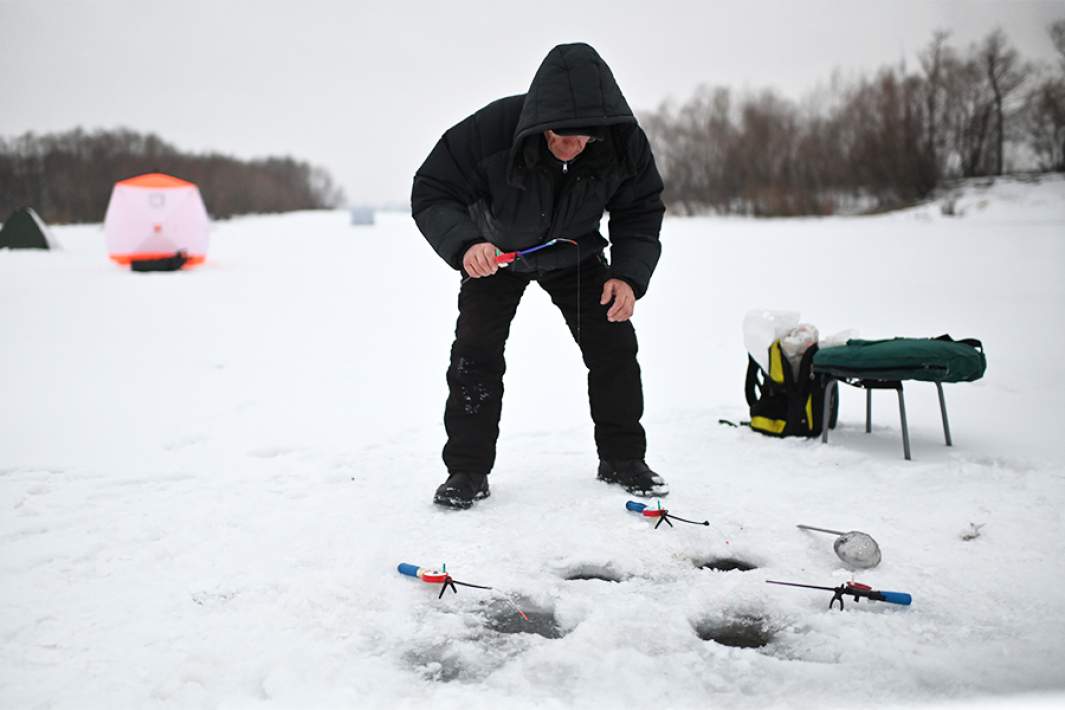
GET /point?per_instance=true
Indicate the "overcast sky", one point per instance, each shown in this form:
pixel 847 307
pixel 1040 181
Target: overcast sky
pixel 365 88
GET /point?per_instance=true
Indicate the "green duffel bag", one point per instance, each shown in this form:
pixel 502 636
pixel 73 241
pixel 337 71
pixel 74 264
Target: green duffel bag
pixel 941 359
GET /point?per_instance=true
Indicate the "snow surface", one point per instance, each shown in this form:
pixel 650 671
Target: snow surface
pixel 208 478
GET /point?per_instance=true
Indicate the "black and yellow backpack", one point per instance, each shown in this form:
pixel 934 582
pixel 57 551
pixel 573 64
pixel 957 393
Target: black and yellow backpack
pixel 783 404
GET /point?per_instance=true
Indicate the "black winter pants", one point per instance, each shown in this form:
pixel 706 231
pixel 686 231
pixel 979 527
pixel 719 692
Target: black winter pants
pixel 475 376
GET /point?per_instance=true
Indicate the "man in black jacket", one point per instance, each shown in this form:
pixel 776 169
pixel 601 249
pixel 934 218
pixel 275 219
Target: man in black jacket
pixel 517 174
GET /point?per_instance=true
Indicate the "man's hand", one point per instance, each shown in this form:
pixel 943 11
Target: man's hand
pixel 624 300
pixel 480 260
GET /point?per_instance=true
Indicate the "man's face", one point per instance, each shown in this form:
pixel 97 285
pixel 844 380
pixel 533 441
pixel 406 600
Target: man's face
pixel 565 148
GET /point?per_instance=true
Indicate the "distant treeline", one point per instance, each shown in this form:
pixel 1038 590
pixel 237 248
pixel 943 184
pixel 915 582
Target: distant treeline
pixel 67 177
pixel 873 143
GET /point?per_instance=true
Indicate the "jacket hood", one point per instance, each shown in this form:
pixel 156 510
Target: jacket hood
pixel 573 88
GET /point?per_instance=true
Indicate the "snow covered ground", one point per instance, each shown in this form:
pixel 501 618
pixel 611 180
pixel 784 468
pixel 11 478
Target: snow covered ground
pixel 208 478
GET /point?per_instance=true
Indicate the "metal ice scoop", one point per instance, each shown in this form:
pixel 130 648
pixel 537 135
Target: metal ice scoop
pixel 855 548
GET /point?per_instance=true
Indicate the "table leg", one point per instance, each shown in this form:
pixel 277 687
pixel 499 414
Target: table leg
pixel 943 411
pixel 868 410
pixel 905 430
pixel 831 390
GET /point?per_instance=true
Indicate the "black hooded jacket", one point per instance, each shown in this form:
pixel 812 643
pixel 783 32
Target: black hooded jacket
pixel 491 177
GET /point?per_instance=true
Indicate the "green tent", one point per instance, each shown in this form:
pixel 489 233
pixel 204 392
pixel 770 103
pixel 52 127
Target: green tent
pixel 25 230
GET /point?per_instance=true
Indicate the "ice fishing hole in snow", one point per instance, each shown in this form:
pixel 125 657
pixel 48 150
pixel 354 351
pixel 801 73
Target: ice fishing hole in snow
pixel 724 564
pixel 741 631
pixel 591 572
pixel 502 617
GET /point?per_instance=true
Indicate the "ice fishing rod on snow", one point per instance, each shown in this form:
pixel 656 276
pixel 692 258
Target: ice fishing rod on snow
pixel 663 514
pixel 432 576
pixel 856 590
pixel 441 577
pixel 509 257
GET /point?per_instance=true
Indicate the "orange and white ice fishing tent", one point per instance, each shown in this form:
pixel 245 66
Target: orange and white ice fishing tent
pixel 154 216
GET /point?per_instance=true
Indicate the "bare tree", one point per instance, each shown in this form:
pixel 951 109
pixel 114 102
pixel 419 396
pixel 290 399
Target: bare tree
pixel 933 59
pixel 1044 122
pixel 67 177
pixel 1057 36
pixel 1005 74
pixel 1044 108
pixel 879 142
pixel 969 107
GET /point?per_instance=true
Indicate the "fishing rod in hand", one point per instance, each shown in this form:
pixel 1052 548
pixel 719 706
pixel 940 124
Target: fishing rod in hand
pixel 504 259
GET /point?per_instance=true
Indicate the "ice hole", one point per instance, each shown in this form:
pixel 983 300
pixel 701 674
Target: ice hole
pixel 743 631
pixel 503 617
pixel 589 572
pixel 725 564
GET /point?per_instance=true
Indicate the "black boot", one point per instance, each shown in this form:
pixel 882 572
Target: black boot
pixel 461 489
pixel 634 476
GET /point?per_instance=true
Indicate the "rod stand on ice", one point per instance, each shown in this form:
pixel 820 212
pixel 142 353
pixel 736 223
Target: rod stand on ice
pixel 856 590
pixel 856 548
pixel 661 513
pixel 432 576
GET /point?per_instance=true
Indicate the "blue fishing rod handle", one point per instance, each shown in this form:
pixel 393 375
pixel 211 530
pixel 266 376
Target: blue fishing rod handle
pixel 897 597
pixel 635 507
pixel 408 569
